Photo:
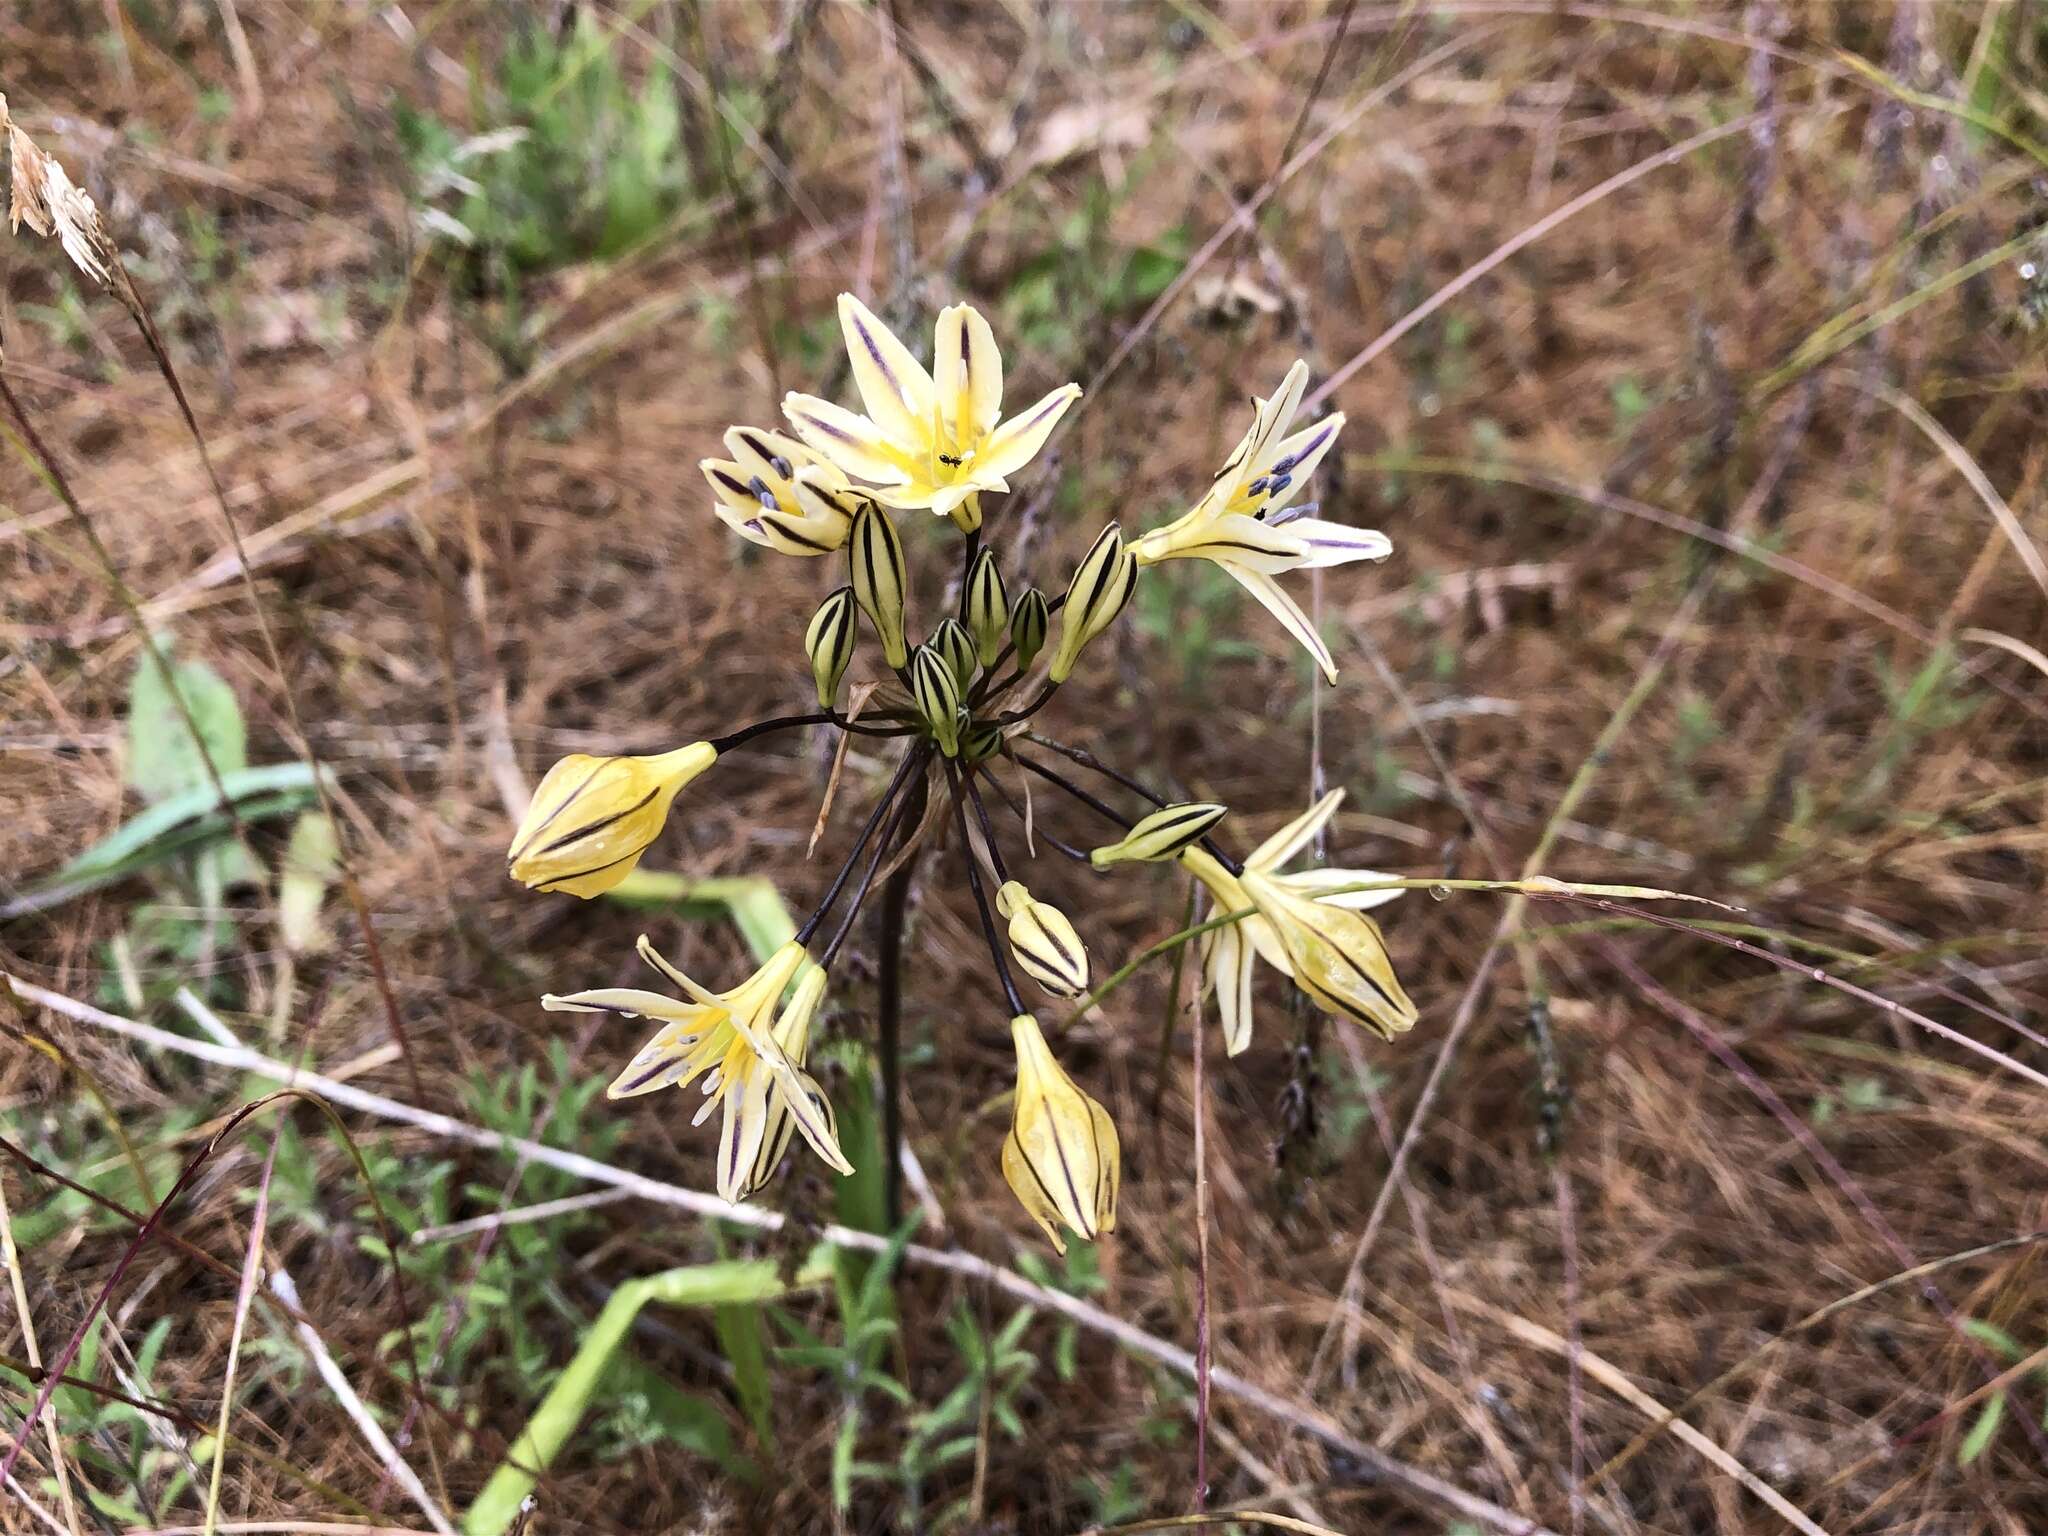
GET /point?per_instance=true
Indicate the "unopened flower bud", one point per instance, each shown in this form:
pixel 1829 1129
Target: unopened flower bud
pixel 1161 835
pixel 1028 624
pixel 830 640
pixel 593 817
pixel 937 695
pixel 951 641
pixel 1061 1156
pixel 1044 942
pixel 1102 584
pixel 988 607
pixel 875 559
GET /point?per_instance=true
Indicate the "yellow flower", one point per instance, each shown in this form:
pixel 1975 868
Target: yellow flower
pixel 753 1070
pixel 593 817
pixel 1247 524
pixel 1044 942
pixel 936 445
pixel 775 492
pixel 1161 835
pixel 1061 1155
pixel 1306 927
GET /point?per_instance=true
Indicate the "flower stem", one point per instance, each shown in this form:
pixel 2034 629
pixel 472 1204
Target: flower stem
pixel 889 1014
pixel 1089 760
pixel 911 760
pixel 746 733
pixel 867 879
pixel 981 907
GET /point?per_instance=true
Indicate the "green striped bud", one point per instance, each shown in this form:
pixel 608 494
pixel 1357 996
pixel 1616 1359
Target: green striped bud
pixel 988 607
pixel 1029 621
pixel 950 640
pixel 1044 942
pixel 834 631
pixel 1102 584
pixel 980 741
pixel 937 696
pixel 874 556
pixel 1161 835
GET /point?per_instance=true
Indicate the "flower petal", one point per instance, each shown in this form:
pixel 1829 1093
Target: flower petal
pixel 892 383
pixel 1292 838
pixel 850 441
pixel 968 372
pixel 1296 459
pixel 644 946
pixel 1288 612
pixel 1227 966
pixel 627 1002
pixel 1338 543
pixel 1016 442
pixel 1319 882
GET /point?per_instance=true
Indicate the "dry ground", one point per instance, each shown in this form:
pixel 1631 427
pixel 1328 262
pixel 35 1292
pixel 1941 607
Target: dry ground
pixel 1699 510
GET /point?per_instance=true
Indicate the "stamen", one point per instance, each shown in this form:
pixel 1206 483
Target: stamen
pixel 1279 483
pixel 1288 514
pixel 1284 466
pixel 1257 487
pixel 763 494
pixel 781 466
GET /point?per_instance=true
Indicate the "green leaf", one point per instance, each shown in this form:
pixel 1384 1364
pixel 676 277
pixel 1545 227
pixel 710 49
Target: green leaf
pixel 741 1336
pixel 168 829
pixel 164 757
pixel 1981 1433
pixel 731 1283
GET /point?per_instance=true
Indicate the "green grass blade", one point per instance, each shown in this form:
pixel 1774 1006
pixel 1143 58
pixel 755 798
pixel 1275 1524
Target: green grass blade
pixel 734 1283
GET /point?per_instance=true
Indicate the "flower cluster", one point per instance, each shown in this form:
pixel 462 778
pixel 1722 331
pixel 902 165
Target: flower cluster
pixel 961 701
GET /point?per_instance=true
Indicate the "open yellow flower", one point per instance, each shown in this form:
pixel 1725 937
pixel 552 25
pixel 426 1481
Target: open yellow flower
pixel 775 492
pixel 1061 1156
pixel 1306 926
pixel 593 817
pixel 750 1064
pixel 1248 525
pixel 926 443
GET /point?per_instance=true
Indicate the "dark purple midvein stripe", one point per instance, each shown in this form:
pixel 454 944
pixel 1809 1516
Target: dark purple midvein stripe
pixel 567 801
pixel 829 429
pixel 1073 1189
pixel 875 352
pixel 782 527
pixel 734 486
pixel 1362 974
pixel 598 826
pixel 1032 1168
pixel 584 874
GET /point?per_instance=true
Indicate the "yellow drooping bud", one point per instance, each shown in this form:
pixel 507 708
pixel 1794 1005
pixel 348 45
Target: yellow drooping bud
pixel 1102 584
pixel 988 607
pixel 875 560
pixel 937 696
pixel 829 642
pixel 1028 624
pixel 593 817
pixel 951 641
pixel 1162 835
pixel 1044 942
pixel 1061 1156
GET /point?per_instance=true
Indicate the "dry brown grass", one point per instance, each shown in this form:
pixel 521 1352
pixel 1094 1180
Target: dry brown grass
pixel 458 560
